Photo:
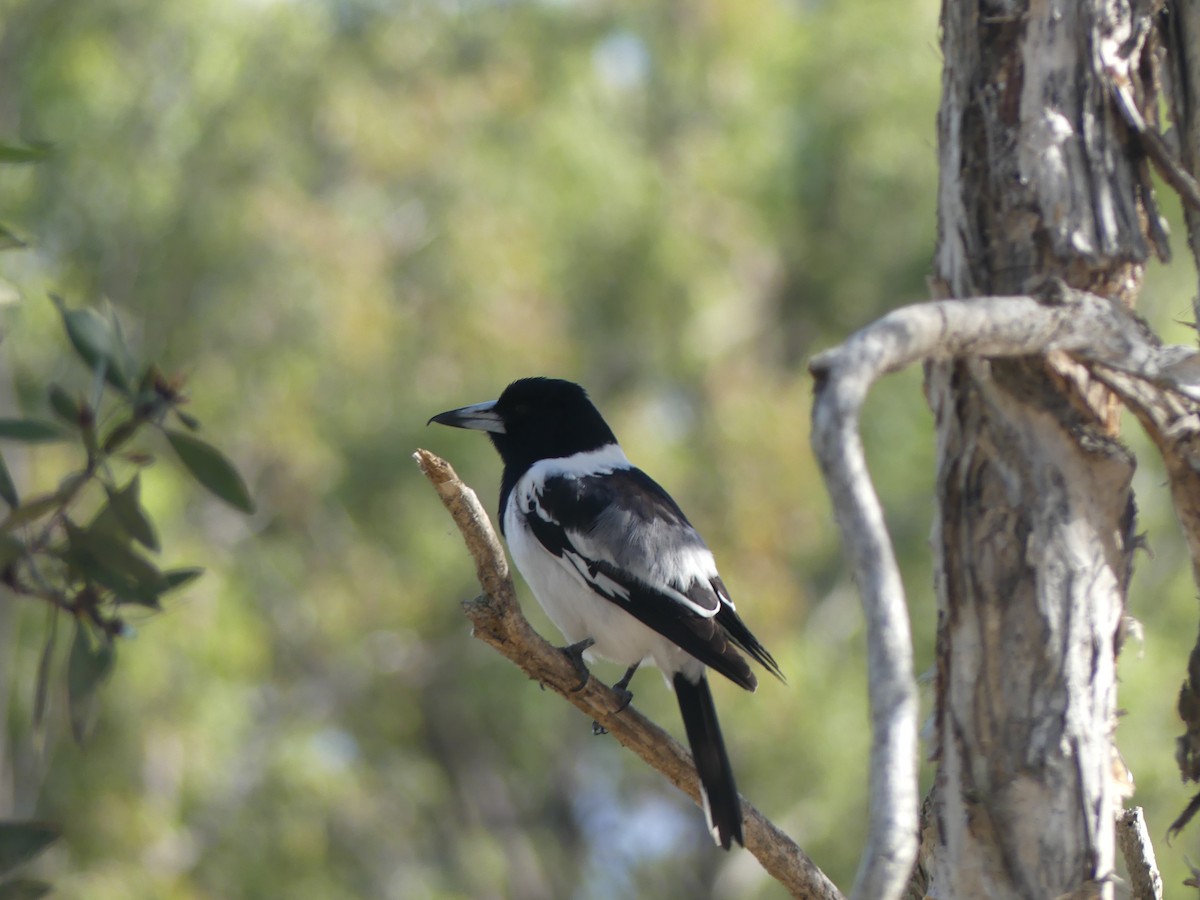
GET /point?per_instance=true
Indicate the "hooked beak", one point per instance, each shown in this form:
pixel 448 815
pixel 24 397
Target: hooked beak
pixel 479 417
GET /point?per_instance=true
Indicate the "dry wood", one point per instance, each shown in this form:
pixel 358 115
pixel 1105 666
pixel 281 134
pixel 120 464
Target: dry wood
pixel 1145 883
pixel 1157 381
pixel 1034 529
pixel 497 620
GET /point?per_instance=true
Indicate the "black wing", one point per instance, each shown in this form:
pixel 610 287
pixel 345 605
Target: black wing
pixel 632 545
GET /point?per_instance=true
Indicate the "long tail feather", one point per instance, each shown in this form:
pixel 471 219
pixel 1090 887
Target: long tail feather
pixel 722 805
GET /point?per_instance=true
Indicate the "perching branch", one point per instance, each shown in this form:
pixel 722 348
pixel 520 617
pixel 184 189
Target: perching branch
pixel 1145 882
pixel 1161 384
pixel 1091 329
pixel 497 620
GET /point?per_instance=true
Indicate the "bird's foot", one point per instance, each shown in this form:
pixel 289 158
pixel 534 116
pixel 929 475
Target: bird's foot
pixel 575 655
pixel 624 695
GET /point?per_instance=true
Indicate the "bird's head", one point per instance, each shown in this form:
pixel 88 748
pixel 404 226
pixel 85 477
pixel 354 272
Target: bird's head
pixel 534 419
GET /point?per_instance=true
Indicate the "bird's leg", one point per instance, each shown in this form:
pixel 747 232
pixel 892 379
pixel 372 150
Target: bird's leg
pixel 623 693
pixel 575 655
pixel 622 686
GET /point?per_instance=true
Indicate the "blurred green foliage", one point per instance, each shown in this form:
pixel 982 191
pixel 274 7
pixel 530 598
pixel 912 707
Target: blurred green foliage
pixel 90 571
pixel 342 216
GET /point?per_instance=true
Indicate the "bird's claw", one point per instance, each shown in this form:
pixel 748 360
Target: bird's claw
pixel 624 698
pixel 575 655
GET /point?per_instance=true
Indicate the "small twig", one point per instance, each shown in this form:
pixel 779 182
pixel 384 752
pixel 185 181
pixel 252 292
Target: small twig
pixel 498 621
pixel 1134 840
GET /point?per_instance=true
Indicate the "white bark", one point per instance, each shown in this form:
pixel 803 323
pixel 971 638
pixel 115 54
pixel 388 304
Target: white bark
pixel 1103 334
pixel 1033 534
pixel 1145 883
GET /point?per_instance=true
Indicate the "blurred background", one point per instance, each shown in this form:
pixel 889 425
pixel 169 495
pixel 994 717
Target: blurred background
pixel 339 217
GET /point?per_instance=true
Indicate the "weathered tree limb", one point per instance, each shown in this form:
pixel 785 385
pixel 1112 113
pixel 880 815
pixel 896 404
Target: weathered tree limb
pixel 1034 528
pixel 1157 381
pixel 1145 882
pixel 993 326
pixel 842 379
pixel 497 620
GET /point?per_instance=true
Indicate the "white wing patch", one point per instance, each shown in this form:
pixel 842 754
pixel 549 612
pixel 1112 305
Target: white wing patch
pixel 599 580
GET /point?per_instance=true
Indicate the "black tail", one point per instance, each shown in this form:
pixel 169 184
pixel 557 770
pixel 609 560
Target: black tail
pixel 721 803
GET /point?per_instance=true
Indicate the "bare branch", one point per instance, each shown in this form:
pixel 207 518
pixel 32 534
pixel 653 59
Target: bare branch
pixel 498 621
pixel 843 376
pixel 1134 840
pixel 1089 327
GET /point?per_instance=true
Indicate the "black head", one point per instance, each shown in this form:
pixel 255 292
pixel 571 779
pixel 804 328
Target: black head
pixel 534 419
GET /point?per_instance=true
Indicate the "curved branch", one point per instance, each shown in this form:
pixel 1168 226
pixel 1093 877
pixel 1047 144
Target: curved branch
pixel 497 620
pixel 1090 328
pixel 843 377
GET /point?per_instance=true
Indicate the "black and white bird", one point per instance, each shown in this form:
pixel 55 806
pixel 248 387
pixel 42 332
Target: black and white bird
pixel 616 565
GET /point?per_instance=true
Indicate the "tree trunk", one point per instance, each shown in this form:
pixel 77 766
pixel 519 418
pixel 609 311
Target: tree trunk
pixel 1033 533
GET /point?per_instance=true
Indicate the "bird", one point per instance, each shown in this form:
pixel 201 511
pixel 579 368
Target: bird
pixel 617 566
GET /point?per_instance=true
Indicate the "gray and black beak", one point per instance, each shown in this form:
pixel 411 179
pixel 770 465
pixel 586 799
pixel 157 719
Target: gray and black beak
pixel 479 417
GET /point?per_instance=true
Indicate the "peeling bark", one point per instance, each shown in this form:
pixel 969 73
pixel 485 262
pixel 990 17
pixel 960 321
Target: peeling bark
pixel 1032 537
pixel 1006 814
pixel 1181 43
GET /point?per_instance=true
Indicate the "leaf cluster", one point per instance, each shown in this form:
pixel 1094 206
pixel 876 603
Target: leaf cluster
pixel 85 548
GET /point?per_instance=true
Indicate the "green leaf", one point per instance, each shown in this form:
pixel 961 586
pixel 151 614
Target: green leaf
pixel 127 507
pixel 24 889
pixel 190 422
pixel 124 355
pixel 42 687
pixel 31 431
pixel 22 841
pixel 28 153
pixel 96 341
pixel 177 578
pixel 30 511
pixel 105 555
pixel 121 433
pixel 8 490
pixel 10 549
pixel 65 406
pixel 9 241
pixel 89 666
pixel 209 467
